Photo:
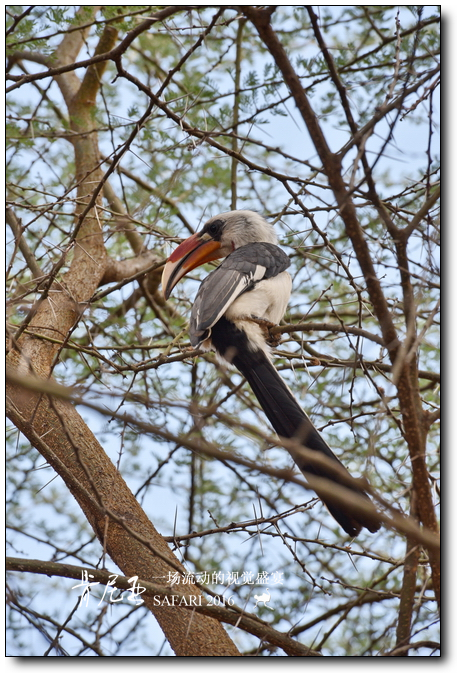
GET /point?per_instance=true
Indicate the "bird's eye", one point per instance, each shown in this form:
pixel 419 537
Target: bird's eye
pixel 214 229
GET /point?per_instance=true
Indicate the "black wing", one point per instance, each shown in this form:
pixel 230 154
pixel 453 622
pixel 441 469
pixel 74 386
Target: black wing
pixel 238 273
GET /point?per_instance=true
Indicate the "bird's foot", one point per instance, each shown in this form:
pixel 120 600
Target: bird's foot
pixel 265 325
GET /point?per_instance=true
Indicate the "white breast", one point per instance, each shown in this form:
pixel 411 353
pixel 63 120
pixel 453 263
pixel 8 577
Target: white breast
pixel 267 300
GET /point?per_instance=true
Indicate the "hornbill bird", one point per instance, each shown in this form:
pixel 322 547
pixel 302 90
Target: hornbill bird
pixel 234 307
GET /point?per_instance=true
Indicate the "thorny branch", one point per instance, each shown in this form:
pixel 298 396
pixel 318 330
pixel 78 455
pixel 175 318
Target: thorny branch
pixel 192 149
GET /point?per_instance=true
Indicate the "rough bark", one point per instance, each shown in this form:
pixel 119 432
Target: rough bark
pixel 54 427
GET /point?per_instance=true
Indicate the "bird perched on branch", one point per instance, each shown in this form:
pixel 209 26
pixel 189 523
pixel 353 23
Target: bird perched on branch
pixel 234 308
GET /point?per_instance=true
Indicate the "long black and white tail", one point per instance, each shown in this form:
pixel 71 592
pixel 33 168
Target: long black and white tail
pixel 288 419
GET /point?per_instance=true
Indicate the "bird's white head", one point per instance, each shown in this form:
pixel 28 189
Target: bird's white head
pixel 220 235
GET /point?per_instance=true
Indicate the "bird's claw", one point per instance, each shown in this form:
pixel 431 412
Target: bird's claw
pixel 265 325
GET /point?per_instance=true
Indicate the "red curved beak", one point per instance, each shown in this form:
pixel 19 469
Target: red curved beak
pixel 192 252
